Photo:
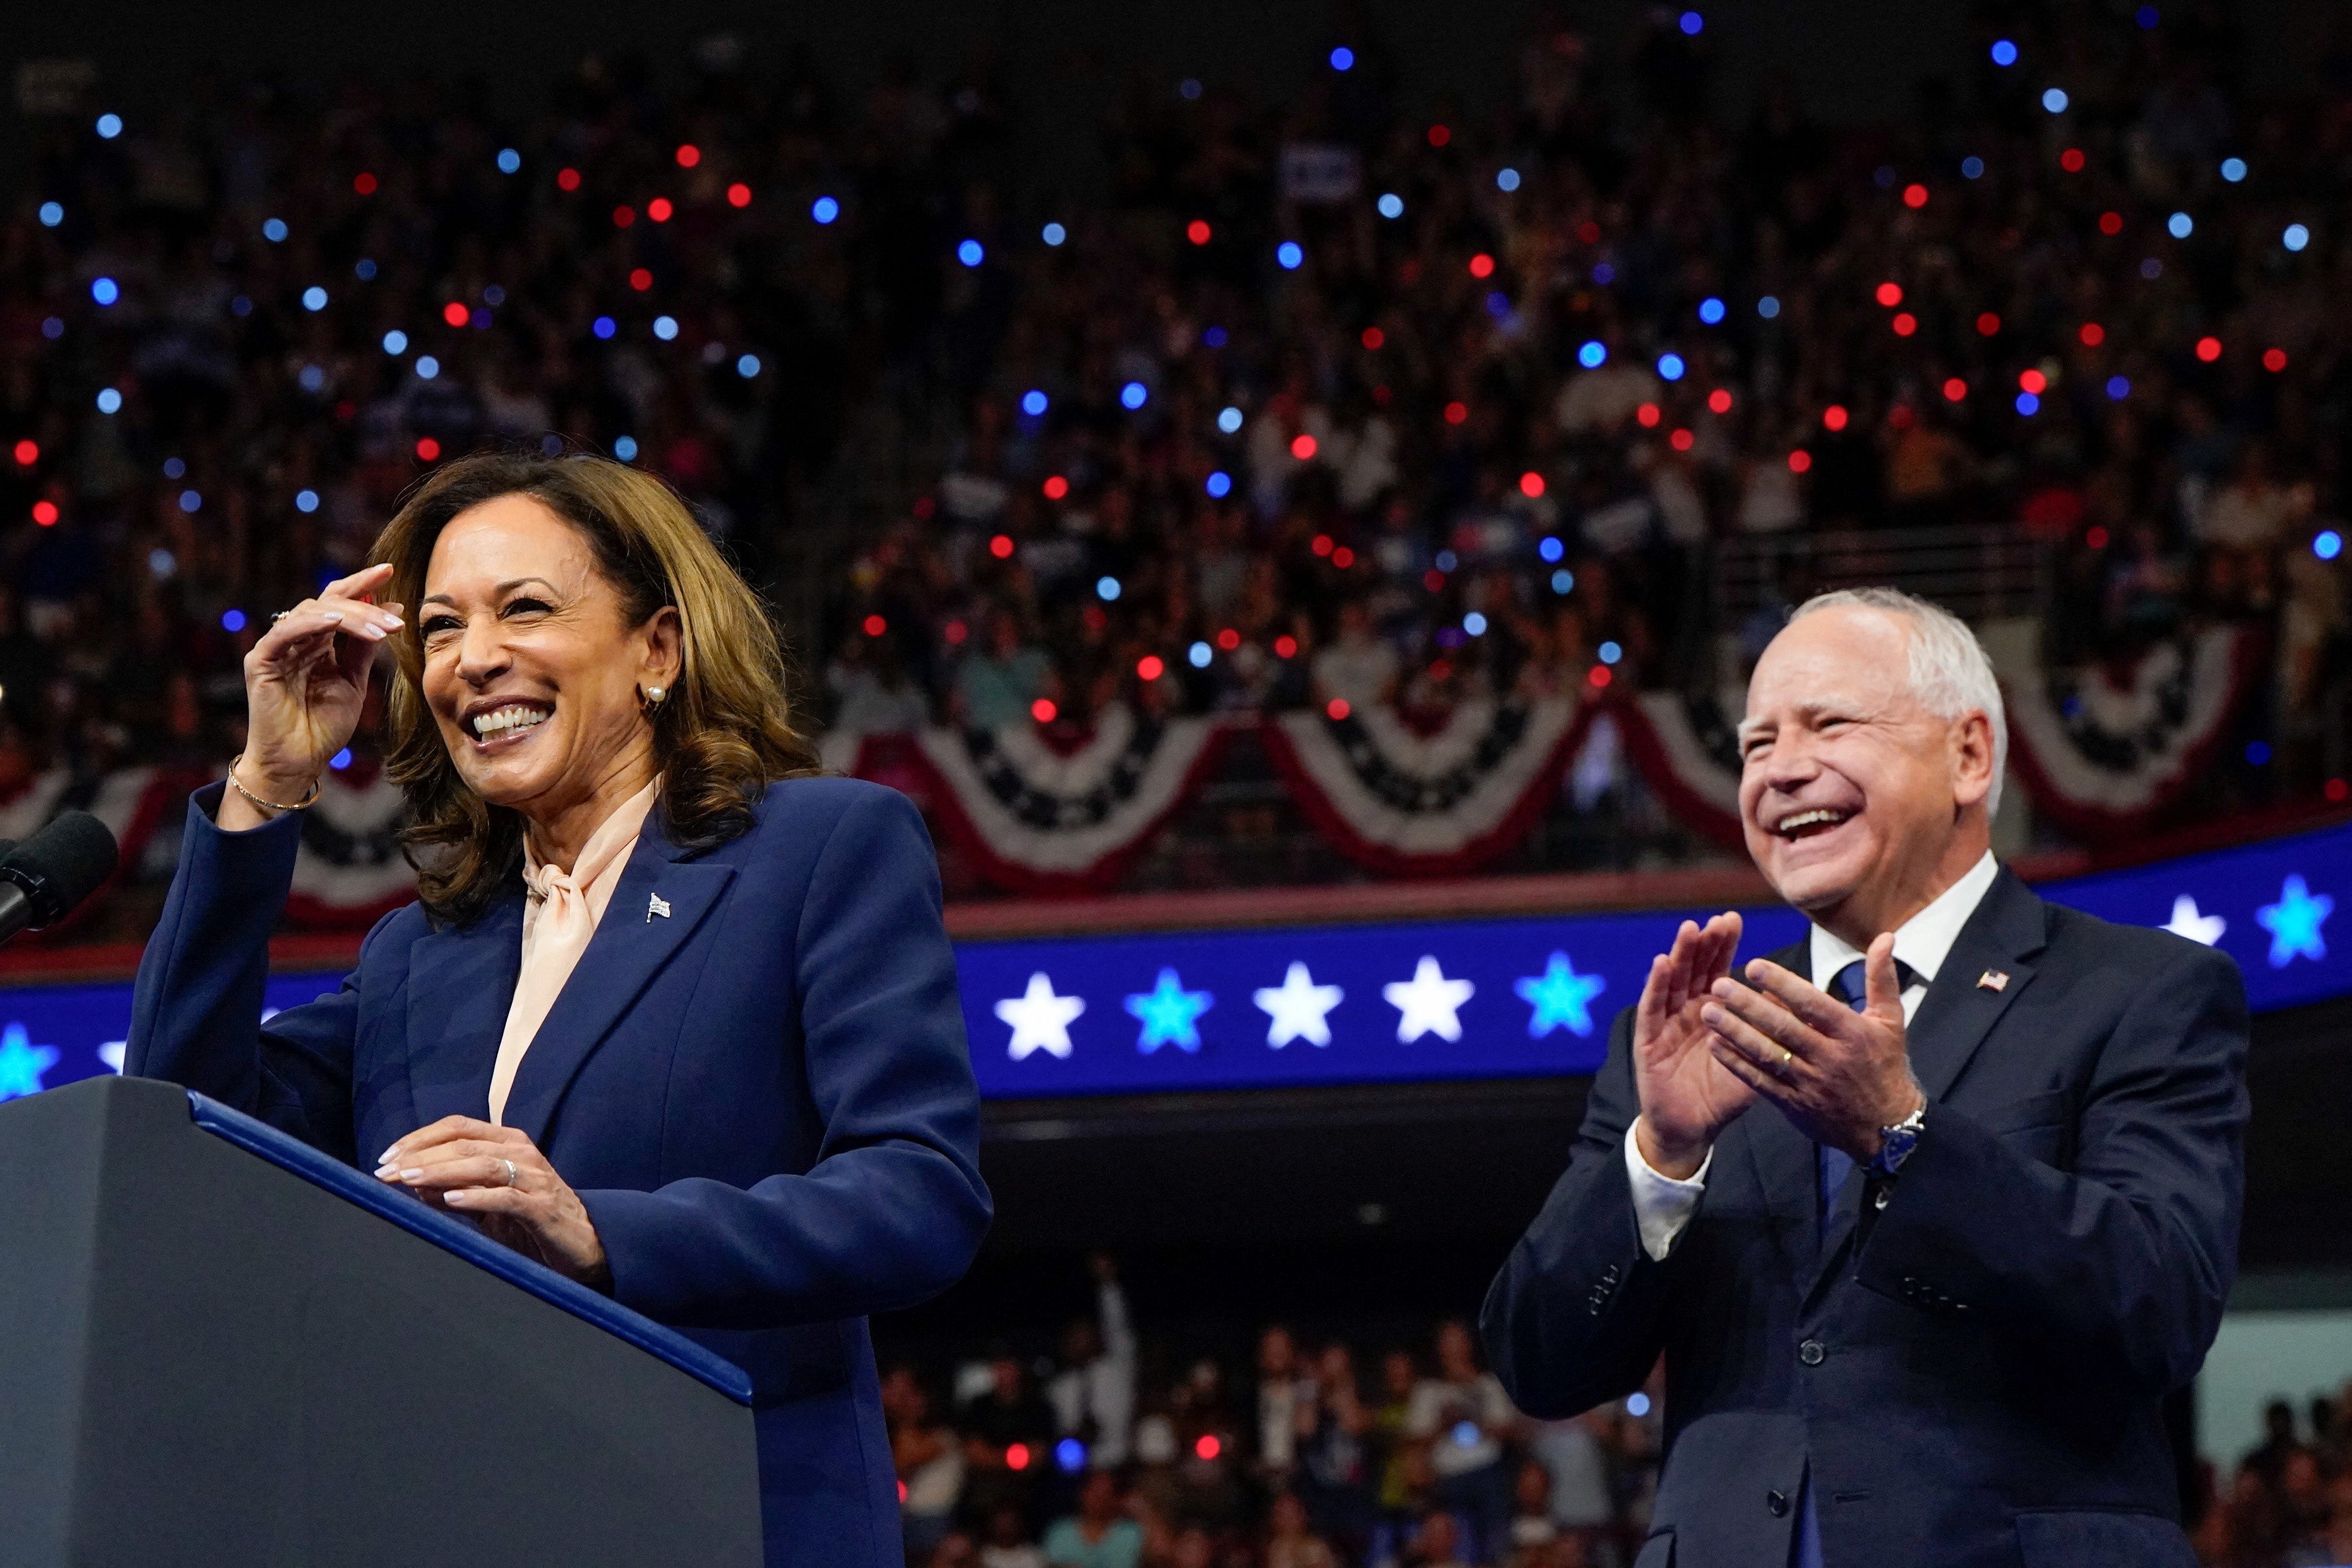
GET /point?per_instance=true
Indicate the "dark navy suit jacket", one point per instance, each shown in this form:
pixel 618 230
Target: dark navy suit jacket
pixel 1975 1370
pixel 762 1098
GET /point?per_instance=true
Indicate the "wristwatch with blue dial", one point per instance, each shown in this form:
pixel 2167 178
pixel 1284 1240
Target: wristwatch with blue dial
pixel 1896 1142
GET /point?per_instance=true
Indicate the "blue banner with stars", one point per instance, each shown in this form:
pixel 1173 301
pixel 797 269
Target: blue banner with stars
pixel 1301 1006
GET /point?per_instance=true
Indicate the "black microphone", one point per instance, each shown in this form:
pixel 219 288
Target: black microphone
pixel 45 876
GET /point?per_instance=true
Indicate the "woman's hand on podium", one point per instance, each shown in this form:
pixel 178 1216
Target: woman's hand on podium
pixel 498 1176
pixel 306 681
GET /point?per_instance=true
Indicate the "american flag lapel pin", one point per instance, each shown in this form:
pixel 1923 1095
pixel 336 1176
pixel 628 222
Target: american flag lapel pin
pixel 660 906
pixel 1991 980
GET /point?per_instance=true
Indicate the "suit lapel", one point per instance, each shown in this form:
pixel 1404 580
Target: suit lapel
pixel 660 901
pixel 461 981
pixel 1958 1010
pixel 1782 1159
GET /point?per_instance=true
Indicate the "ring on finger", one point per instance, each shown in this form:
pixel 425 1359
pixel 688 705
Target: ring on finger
pixel 509 1164
pixel 279 616
pixel 1788 1061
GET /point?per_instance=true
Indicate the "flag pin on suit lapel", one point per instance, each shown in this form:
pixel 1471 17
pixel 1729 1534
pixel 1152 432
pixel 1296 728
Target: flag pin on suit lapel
pixel 1991 980
pixel 660 906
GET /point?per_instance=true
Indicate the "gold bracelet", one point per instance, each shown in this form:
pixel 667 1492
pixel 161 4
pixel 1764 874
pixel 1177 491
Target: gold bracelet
pixel 309 800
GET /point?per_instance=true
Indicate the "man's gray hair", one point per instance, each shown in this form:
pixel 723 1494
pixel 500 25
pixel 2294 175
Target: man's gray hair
pixel 1950 673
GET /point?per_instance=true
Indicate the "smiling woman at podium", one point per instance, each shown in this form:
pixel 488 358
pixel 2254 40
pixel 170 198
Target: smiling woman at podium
pixel 672 1015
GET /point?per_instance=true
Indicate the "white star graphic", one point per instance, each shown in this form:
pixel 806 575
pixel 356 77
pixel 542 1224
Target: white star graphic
pixel 1427 1001
pixel 1298 1007
pixel 2186 922
pixel 1040 1020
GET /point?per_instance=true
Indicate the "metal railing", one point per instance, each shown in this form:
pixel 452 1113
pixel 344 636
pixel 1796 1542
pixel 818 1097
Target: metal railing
pixel 1978 573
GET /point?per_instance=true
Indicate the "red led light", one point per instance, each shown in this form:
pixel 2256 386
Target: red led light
pixel 1001 546
pixel 567 179
pixel 1600 677
pixel 1834 417
pixel 1150 668
pixel 641 279
pixel 455 314
pixel 1207 1448
pixel 1056 487
pixel 1719 401
pixel 1374 337
pixel 1439 135
pixel 1915 195
pixel 2209 349
pixel 1229 639
pixel 1321 544
pixel 1647 415
pixel 1680 440
pixel 2275 360
pixel 955 632
pixel 1197 231
pixel 2092 334
pixel 364 183
pixel 738 194
pixel 2111 223
pixel 1343 558
pixel 428 450
pixel 1456 412
pixel 1955 389
pixel 1336 709
pixel 2034 380
pixel 1482 266
pixel 1302 446
pixel 2096 537
pixel 2338 788
pixel 659 209
pixel 1433 580
pixel 1889 295
pixel 624 216
pixel 1988 324
pixel 1017 1455
pixel 1800 461
pixel 2071 160
pixel 873 626
pixel 1905 323
pixel 1285 646
pixel 1043 711
pixel 1531 484
pixel 689 156
pixel 27 452
pixel 44 513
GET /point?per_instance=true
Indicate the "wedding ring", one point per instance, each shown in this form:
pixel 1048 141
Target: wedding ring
pixel 510 1171
pixel 279 616
pixel 1788 1059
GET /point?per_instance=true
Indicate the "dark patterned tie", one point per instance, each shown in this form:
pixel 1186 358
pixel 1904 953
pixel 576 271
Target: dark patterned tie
pixel 1834 1164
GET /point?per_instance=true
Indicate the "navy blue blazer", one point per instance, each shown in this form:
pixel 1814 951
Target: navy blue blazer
pixel 763 1099
pixel 1973 1372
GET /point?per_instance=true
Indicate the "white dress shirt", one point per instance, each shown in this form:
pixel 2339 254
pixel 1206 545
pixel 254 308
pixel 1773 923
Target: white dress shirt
pixel 1662 1205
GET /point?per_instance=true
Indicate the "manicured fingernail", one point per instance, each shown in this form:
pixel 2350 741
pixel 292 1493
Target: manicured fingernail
pixel 334 615
pixel 383 1171
pixel 391 620
pixel 388 1155
pixel 372 633
pixel 412 1172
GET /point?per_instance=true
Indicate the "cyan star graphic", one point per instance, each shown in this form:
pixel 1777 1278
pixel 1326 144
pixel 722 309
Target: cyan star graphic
pixel 2294 923
pixel 22 1063
pixel 1560 996
pixel 1169 1015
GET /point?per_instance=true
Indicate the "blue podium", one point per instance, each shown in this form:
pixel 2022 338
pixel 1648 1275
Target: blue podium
pixel 219 1346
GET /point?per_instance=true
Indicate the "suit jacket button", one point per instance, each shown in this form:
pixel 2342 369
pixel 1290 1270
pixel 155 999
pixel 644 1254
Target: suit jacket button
pixel 1812 1352
pixel 1778 1501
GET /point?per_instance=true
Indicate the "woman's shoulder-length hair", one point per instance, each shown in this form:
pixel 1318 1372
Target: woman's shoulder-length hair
pixel 722 736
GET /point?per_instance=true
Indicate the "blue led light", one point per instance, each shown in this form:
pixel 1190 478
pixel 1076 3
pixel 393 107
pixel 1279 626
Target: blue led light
pixel 1710 311
pixel 53 327
pixel 625 448
pixel 748 366
pixel 1506 179
pixel 1219 484
pixel 605 326
pixel 1054 233
pixel 395 341
pixel 232 620
pixel 1391 204
pixel 1069 1453
pixel 2258 752
pixel 110 126
pixel 2327 544
pixel 2147 16
pixel 824 209
pixel 666 328
pixel 971 253
pixel 2180 226
pixel 1768 307
pixel 1229 419
pixel 2118 388
pixel 1199 655
pixel 2295 237
pixel 1972 167
pixel 174 469
pixel 1189 90
pixel 313 377
pixel 1034 403
pixel 305 500
pixel 1475 623
pixel 2233 169
pixel 1692 24
pixel 1445 561
pixel 1107 589
pixel 1603 274
pixel 1550 548
pixel 1637 1405
pixel 105 290
pixel 1134 395
pixel 2055 101
pixel 1288 254
pixel 1214 337
pixel 108 400
pixel 314 299
pixel 1594 355
pixel 1343 59
pixel 1609 653
pixel 274 230
pixel 52 215
pixel 1499 304
pixel 191 502
pixel 2151 268
pixel 340 759
pixel 427 367
pixel 2028 404
pixel 1671 366
pixel 508 160
pixel 365 270
pixel 2004 53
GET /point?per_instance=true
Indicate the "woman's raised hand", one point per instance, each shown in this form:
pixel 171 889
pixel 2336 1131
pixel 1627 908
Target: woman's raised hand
pixel 306 681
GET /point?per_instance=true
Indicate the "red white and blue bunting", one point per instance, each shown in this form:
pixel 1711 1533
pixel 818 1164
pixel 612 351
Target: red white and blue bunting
pixel 350 871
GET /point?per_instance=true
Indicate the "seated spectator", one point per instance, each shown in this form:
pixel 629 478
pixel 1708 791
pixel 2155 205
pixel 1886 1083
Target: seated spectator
pixel 1008 1544
pixel 1290 1543
pixel 1099 1535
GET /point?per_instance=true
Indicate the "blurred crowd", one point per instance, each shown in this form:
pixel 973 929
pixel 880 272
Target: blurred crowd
pixel 2289 1504
pixel 1109 1456
pixel 1341 397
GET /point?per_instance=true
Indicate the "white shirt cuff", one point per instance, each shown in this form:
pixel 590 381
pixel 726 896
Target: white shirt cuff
pixel 1661 1205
